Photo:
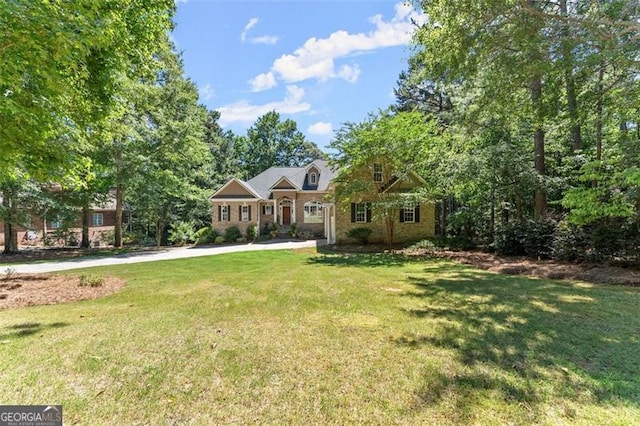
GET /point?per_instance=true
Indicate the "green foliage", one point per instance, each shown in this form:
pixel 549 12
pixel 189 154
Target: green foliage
pixel 251 233
pixel 206 235
pixel 219 239
pixel 360 234
pixel 91 280
pixel 426 245
pixel 181 233
pixel 294 232
pixel 232 234
pixel 533 238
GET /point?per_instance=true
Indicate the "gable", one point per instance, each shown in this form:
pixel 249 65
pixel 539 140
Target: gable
pixel 284 184
pixel 405 184
pixel 234 189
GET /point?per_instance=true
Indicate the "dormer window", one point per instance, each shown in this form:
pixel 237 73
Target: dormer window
pixel 377 173
pixel 313 178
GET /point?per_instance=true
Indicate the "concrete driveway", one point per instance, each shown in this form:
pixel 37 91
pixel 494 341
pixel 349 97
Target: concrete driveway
pixel 166 254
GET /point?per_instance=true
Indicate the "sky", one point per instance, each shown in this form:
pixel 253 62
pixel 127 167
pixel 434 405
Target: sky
pixel 321 63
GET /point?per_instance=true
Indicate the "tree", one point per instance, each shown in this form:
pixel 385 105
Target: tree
pixel 271 142
pixel 63 63
pixel 401 143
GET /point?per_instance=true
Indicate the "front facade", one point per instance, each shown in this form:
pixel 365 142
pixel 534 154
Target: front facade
pixel 278 198
pixel 304 198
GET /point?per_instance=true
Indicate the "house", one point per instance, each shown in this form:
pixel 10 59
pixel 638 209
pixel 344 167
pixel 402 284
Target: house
pixel 306 197
pixel 51 229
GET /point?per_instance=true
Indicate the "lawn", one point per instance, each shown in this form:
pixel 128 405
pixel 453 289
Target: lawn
pixel 303 337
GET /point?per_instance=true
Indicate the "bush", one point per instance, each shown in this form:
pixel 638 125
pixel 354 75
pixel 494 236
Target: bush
pixel 294 232
pixel 251 233
pixel 181 233
pixel 426 245
pixel 570 243
pixel 232 234
pixel 219 240
pixel 90 280
pixel 454 243
pixel 533 238
pixel 206 235
pixel 361 234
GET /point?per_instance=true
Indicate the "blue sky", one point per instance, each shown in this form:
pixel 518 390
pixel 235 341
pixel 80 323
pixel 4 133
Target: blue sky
pixel 321 63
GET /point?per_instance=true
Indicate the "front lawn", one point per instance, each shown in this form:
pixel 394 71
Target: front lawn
pixel 301 337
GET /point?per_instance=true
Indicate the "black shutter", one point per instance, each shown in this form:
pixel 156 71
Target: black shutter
pixel 401 214
pixel 353 212
pixel 417 214
pixel 219 213
pixel 249 213
pixel 263 210
pixel 239 213
pixel 368 212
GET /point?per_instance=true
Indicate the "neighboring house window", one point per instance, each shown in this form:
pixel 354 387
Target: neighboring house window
pixel 245 213
pixel 410 214
pixel 313 179
pixel 268 210
pixel 224 213
pixel 377 173
pixel 360 212
pixel 56 223
pixel 312 212
pixel 97 219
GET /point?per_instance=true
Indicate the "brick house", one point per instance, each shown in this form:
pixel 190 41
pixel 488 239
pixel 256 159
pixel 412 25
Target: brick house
pixel 101 225
pixel 305 196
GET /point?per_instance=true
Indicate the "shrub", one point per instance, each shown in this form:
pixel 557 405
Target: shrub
pixel 219 240
pixel 361 234
pixel 90 280
pixel 232 234
pixel 294 232
pixel 570 243
pixel 426 245
pixel 251 233
pixel 206 235
pixel 181 233
pixel 533 238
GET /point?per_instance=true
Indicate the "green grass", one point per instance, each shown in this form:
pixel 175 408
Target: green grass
pixel 298 337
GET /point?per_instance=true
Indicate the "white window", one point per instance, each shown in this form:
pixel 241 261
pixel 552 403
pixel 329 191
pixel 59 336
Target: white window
pixel 224 213
pixel 312 212
pixel 313 179
pixel 361 212
pixel 244 217
pixel 377 173
pixel 97 219
pixel 409 214
pixel 56 223
pixel 268 209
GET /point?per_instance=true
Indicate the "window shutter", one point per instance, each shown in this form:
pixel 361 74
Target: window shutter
pixel 239 213
pixel 264 210
pixel 417 214
pixel 219 213
pixel 368 212
pixel 249 213
pixel 402 215
pixel 353 212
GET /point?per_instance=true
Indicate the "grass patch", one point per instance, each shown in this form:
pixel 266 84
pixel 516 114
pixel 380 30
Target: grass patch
pixel 293 337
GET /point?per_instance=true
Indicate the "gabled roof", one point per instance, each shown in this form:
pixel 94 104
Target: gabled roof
pixel 265 181
pixel 249 191
pixel 284 183
pixel 416 179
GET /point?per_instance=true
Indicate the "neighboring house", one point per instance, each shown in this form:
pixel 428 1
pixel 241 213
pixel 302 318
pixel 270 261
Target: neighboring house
pixel 52 228
pixel 305 196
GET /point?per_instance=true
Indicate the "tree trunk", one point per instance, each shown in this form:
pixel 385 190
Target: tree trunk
pixel 159 229
pixel 10 232
pixel 540 196
pixel 86 217
pixel 389 225
pixel 570 83
pixel 119 209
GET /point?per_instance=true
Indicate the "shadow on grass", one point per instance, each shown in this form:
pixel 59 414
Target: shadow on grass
pixel 332 258
pixel 512 334
pixel 29 328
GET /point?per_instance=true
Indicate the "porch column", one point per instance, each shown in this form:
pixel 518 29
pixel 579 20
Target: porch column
pixel 258 217
pixel 275 211
pixel 293 213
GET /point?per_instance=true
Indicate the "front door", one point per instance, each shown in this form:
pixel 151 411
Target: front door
pixel 286 215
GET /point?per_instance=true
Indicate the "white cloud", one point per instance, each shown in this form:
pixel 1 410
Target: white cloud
pixel 263 81
pixel 316 58
pixel 252 23
pixel 265 39
pixel 245 112
pixel 320 128
pixel 207 92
